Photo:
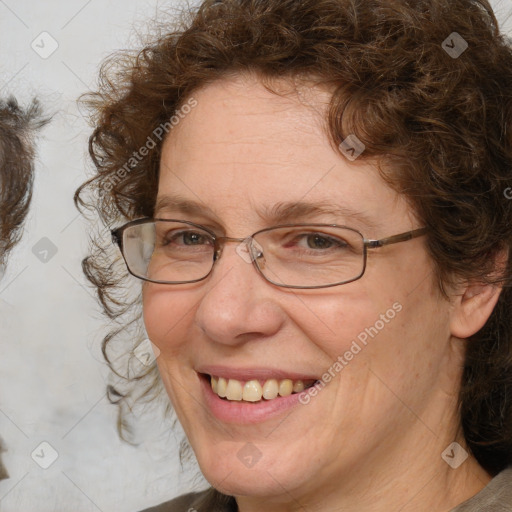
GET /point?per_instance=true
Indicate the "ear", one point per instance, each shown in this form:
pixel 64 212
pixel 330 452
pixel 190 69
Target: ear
pixel 474 302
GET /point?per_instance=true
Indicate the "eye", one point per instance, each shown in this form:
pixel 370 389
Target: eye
pixel 194 238
pixel 318 241
pixel 186 238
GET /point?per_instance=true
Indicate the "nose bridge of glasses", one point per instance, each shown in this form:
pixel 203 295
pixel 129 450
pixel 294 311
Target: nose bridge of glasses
pixel 245 248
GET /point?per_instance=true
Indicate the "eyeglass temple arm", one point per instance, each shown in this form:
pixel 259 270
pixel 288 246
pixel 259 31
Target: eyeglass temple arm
pixel 116 237
pixel 403 237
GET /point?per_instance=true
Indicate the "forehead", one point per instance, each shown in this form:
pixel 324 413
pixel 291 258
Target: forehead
pixel 235 118
pixel 246 148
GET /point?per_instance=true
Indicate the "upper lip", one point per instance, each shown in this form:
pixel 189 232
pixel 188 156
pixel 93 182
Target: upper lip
pixel 253 373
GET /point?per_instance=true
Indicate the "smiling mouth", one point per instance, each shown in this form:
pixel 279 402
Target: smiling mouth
pixel 256 390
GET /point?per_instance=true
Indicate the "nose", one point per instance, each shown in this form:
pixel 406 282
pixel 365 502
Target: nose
pixel 238 304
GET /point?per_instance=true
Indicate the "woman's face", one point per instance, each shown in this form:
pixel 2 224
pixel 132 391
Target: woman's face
pixel 239 161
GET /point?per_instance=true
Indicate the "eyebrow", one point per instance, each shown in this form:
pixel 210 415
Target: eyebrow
pixel 293 211
pixel 280 213
pixel 181 205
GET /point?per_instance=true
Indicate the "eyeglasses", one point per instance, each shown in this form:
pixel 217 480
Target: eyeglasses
pixel 291 256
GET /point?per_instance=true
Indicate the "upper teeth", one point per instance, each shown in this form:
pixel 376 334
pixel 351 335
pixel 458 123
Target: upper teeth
pixel 252 390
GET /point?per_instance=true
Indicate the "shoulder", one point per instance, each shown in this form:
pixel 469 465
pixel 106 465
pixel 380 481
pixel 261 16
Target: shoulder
pixel 496 497
pixel 206 501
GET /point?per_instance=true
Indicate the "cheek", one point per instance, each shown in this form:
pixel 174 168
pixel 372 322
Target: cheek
pixel 333 320
pixel 166 316
pixel 375 326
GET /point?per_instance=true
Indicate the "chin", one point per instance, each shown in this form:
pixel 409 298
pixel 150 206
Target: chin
pixel 252 483
pixel 230 476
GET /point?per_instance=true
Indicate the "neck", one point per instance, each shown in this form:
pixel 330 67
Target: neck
pixel 408 474
pixel 427 490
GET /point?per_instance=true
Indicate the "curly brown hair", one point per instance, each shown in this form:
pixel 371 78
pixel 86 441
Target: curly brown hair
pixel 425 85
pixel 17 151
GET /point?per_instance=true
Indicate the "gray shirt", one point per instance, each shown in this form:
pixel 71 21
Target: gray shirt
pixel 495 497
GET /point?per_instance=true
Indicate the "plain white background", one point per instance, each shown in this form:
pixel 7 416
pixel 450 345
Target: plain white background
pixel 52 375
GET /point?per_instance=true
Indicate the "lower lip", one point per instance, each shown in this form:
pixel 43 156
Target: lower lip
pixel 239 412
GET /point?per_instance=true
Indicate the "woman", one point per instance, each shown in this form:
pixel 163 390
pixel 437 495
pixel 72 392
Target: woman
pixel 313 195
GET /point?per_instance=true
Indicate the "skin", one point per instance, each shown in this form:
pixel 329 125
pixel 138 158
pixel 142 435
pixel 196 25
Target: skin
pixel 373 437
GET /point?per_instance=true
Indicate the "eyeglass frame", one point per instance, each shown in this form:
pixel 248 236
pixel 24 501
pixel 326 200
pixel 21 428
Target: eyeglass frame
pixel 220 241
